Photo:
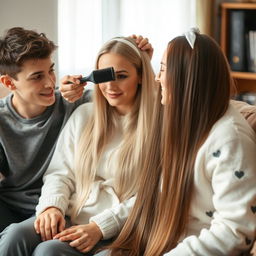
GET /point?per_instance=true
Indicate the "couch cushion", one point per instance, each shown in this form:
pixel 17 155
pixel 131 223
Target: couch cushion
pixel 248 111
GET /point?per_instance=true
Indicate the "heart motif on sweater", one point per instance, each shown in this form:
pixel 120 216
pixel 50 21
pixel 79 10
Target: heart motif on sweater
pixel 209 213
pixel 253 208
pixel 239 174
pixel 216 153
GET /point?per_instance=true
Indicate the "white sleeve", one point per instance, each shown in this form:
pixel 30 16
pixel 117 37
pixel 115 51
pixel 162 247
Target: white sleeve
pixel 233 225
pixel 111 221
pixel 59 180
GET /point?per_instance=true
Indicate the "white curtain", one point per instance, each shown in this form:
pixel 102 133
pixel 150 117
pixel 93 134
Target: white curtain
pixel 79 35
pixel 84 25
pixel 159 20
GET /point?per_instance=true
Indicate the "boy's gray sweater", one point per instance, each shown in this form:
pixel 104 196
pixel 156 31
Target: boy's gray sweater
pixel 26 148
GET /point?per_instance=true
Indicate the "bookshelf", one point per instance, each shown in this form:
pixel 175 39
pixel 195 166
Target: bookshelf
pixel 245 81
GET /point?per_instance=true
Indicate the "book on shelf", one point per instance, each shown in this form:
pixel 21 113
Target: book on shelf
pixel 237 52
pixel 251 51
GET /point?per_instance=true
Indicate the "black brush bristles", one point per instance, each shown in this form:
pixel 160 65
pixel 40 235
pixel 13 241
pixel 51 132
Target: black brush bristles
pixel 100 76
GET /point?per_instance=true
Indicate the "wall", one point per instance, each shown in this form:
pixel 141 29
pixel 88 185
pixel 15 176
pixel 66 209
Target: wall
pixel 39 15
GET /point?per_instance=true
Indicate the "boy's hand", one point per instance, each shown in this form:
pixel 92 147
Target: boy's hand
pixel 143 44
pixel 82 237
pixel 49 223
pixel 71 89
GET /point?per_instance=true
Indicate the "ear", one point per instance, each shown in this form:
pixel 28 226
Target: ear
pixel 7 82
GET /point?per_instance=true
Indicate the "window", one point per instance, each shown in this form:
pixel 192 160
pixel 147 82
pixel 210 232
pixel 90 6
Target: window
pixel 84 25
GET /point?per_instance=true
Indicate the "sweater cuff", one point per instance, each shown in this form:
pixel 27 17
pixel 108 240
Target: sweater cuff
pixel 51 202
pixel 107 223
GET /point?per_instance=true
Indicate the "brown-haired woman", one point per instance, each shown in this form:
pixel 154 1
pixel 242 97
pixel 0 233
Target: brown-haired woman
pixel 197 195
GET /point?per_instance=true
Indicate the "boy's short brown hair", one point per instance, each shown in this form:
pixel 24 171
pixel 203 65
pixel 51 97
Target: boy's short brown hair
pixel 19 45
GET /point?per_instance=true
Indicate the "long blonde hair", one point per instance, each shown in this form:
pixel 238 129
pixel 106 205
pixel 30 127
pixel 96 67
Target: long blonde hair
pixel 198 83
pixel 101 127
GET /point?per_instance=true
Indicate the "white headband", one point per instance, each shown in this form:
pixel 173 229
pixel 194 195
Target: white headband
pixel 127 42
pixel 191 36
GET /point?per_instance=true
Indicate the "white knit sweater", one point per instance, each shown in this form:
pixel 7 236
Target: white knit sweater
pixel 103 206
pixel 223 207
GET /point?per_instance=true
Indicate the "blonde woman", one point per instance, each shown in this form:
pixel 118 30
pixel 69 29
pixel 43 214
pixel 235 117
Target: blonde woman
pixel 95 171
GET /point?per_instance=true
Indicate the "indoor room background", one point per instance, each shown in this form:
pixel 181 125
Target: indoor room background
pixel 80 27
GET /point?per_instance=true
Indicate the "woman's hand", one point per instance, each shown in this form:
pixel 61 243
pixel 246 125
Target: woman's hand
pixel 82 237
pixel 143 44
pixel 49 223
pixel 71 89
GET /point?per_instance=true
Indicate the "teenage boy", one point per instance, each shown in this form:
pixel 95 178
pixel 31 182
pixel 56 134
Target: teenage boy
pixel 31 118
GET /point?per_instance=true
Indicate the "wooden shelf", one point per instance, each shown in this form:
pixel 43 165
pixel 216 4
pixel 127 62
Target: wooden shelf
pixel 239 6
pixel 245 85
pixel 244 75
pixel 245 81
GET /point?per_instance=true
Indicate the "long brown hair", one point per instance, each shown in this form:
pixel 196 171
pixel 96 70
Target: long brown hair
pixel 198 85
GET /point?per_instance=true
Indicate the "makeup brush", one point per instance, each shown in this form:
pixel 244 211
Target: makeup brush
pixel 100 76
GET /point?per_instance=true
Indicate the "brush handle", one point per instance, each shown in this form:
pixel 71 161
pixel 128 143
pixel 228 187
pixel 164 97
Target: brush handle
pixel 82 80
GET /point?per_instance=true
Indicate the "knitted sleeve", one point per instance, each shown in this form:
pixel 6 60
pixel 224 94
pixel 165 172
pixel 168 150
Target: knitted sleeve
pixel 233 218
pixel 59 179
